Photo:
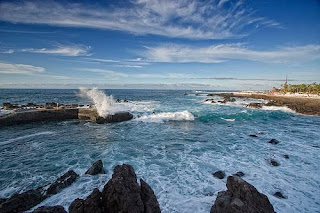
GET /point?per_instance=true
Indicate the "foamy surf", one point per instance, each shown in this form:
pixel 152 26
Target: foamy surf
pixel 228 119
pixel 282 108
pixel 167 116
pixel 26 136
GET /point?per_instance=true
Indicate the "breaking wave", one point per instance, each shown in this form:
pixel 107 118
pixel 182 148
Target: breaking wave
pixel 167 116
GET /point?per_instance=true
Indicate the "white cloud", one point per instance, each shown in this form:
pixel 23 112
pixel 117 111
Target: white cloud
pixel 64 50
pixel 193 19
pixel 102 60
pixel 9 51
pixel 109 73
pixel 223 52
pixel 10 68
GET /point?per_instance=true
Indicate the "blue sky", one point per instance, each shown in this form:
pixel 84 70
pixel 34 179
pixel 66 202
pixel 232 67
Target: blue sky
pixel 167 44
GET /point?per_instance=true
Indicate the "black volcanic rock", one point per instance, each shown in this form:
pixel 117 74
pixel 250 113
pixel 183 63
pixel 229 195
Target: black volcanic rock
pixel 122 192
pixel 241 197
pixel 274 162
pixel 92 204
pixel 279 195
pixel 219 174
pixel 254 136
pixel 96 168
pixel 50 209
pixel 117 117
pixel 286 156
pixel 22 202
pixel 273 141
pixel 62 182
pixel 149 199
pixel 239 174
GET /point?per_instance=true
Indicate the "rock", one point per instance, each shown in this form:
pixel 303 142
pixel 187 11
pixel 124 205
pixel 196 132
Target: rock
pixel 241 197
pixel 279 195
pixel 149 199
pixel 92 204
pixel 96 168
pixel 22 202
pixel 273 141
pixel 232 100
pixel 122 192
pixel 62 182
pixel 255 105
pixel 117 117
pixel 286 156
pixel 209 99
pixel 274 163
pixel 50 209
pixel 239 174
pixel 219 174
pixel 118 101
pixel 185 94
pixel 254 136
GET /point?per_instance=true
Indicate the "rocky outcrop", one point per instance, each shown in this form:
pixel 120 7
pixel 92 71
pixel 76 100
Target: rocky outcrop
pixel 219 174
pixel 92 204
pixel 26 200
pixel 273 141
pixel 22 202
pixel 274 162
pixel 279 195
pixel 117 117
pixel 62 182
pixel 122 193
pixel 239 174
pixel 50 209
pixel 255 105
pixel 241 197
pixel 96 168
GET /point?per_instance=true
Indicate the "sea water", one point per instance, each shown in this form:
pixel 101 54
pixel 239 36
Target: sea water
pixel 175 143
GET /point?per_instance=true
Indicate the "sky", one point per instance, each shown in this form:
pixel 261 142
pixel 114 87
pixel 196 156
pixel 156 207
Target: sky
pixel 159 44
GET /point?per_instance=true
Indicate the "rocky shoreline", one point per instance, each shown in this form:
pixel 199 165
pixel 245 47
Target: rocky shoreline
pixel 307 106
pixel 122 193
pixel 39 115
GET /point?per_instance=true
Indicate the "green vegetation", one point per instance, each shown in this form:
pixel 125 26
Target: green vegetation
pixel 313 88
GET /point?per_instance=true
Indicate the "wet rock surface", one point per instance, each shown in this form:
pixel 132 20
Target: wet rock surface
pixel 96 168
pixel 274 162
pixel 254 136
pixel 239 174
pixel 117 117
pixel 274 141
pixel 219 174
pixel 241 197
pixel 122 193
pixel 279 195
pixel 26 200
pixel 62 182
pixel 50 209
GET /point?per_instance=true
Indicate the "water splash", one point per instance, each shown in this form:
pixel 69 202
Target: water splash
pixel 104 104
pixel 167 116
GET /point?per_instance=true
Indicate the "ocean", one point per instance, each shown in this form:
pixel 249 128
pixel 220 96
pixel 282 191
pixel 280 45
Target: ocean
pixel 175 143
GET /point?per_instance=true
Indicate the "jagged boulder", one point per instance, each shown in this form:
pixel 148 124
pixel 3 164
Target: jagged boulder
pixel 149 199
pixel 92 204
pixel 22 202
pixel 62 182
pixel 273 141
pixel 122 192
pixel 50 209
pixel 219 174
pixel 96 168
pixel 26 200
pixel 241 197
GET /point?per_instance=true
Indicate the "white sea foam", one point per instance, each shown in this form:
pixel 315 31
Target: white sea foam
pixel 26 136
pixel 4 112
pixel 282 108
pixel 167 116
pixel 228 119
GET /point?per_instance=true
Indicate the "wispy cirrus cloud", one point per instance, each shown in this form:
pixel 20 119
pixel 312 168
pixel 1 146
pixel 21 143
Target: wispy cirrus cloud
pixel 12 68
pixel 63 50
pixel 223 52
pixel 192 19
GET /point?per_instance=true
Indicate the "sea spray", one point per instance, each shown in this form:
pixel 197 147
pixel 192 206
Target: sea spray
pixel 104 104
pixel 167 116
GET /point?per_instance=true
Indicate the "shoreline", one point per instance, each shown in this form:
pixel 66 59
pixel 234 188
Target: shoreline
pixel 302 105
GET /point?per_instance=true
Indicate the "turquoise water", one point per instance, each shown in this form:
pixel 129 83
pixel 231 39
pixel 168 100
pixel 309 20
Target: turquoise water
pixel 175 153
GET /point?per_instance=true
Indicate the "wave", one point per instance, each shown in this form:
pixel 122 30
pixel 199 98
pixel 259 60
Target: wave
pixel 228 119
pixel 276 108
pixel 26 136
pixel 167 116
